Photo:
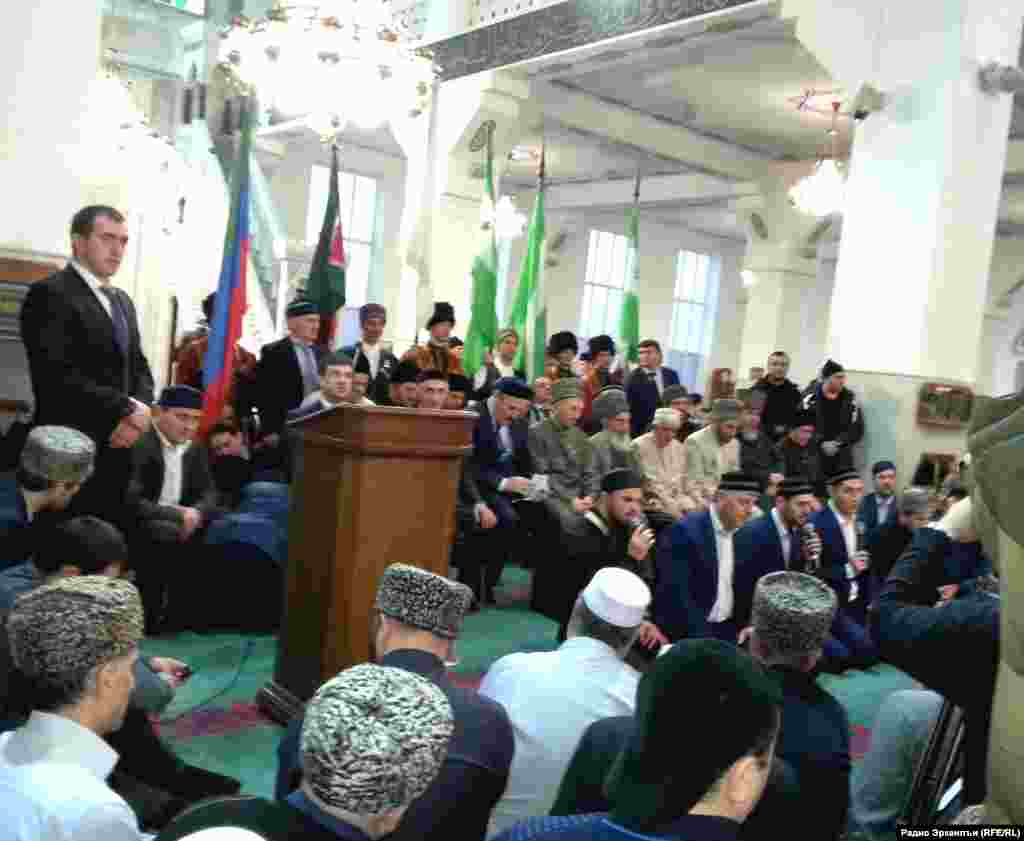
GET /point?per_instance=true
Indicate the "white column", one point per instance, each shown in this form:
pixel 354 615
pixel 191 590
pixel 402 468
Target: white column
pixel 49 54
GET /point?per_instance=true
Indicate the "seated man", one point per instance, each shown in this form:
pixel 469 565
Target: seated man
pixel 74 642
pixel 663 460
pixel 562 452
pixel 678 398
pixel 758 456
pixel 173 493
pixel 55 462
pixel 879 507
pixel 792 616
pixel 659 789
pixel 798 454
pixel 361 385
pixel 697 574
pixel 887 541
pixel 551 697
pixel 713 451
pixel 402 387
pixel 234 465
pixel 612 446
pixel 845 566
pixel 419 618
pixel 335 371
pixel 501 458
pixel 540 409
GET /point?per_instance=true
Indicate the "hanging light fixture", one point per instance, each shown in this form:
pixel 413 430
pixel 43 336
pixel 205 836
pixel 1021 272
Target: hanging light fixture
pixel 343 57
pixel 823 192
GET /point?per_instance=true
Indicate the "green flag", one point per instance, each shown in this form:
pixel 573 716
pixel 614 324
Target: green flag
pixel 483 324
pixel 326 285
pixel 629 318
pixel 530 311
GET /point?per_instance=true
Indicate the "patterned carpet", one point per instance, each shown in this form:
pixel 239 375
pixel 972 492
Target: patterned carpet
pixel 214 722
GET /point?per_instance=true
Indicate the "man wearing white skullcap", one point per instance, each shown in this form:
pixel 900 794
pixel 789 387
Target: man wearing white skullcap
pixel 663 460
pixel 552 697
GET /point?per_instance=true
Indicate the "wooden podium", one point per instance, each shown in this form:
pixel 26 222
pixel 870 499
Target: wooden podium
pixel 371 486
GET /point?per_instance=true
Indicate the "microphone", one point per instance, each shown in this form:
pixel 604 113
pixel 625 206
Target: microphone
pixel 861 535
pixel 638 521
pixel 812 547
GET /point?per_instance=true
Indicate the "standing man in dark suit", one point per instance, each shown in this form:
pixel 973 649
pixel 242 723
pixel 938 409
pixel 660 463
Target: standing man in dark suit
pixel 85 357
pixel 646 385
pixel 880 507
pixel 173 493
pixel 697 568
pixel 370 357
pixel 287 372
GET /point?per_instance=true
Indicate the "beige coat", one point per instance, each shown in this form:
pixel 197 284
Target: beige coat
pixel 706 461
pixel 664 476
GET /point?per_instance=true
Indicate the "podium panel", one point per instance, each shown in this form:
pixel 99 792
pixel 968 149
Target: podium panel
pixel 371 486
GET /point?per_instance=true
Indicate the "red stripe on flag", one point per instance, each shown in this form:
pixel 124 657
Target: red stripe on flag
pixel 215 398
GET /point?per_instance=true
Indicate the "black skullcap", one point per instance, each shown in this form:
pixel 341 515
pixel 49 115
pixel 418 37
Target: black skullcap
pixel 843 476
pixel 368 311
pixel 405 372
pixel 562 341
pixel 881 466
pixel 831 367
pixel 795 486
pixel 181 397
pixel 514 387
pixel 739 483
pixel 601 344
pixel 620 479
pixel 697 681
pixel 443 311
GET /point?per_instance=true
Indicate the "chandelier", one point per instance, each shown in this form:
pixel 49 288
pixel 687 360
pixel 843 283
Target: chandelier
pixel 345 57
pixel 823 192
pixel 508 223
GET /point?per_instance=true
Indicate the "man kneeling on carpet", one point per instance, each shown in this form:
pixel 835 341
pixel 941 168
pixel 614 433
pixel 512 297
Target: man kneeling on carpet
pixel 419 617
pixel 374 740
pixel 677 778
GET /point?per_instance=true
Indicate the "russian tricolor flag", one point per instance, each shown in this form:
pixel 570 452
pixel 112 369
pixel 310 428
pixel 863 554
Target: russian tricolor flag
pixel 229 307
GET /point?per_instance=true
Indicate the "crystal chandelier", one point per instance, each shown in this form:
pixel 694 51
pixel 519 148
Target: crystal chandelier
pixel 508 223
pixel 823 192
pixel 343 57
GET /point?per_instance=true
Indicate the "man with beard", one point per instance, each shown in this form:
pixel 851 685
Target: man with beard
pixel 782 397
pixel 713 451
pixel 695 594
pixel 757 453
pixel 369 356
pixel 663 461
pixel 839 420
pixel 613 448
pixel 678 398
pixel 403 389
pixel 880 507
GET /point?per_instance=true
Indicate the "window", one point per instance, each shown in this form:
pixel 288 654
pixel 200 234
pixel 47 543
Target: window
pixel 694 308
pixel 358 210
pixel 607 255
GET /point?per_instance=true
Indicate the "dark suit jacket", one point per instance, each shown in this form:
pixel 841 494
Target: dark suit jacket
pixel 278 384
pixel 491 468
pixel 643 397
pixel 80 377
pixel 378 387
pixel 834 559
pixel 868 513
pixel 197 487
pixel 757 549
pixel 457 805
pixel 16 533
pixel 687 578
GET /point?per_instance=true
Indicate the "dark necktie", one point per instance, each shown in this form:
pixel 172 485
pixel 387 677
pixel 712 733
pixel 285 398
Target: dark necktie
pixel 121 334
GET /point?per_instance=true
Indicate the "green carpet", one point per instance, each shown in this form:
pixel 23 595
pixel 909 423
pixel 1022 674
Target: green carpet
pixel 213 721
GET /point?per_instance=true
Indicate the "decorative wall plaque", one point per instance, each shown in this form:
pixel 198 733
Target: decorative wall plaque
pixel 944 405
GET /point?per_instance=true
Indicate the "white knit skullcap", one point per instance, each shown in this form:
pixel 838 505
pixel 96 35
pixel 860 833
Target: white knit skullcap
pixel 957 519
pixel 618 597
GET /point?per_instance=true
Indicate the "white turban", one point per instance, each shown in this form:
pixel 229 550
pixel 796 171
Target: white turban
pixel 957 519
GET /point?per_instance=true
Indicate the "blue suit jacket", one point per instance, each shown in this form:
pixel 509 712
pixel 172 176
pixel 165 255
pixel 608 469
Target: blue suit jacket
pixel 643 397
pixel 834 558
pixel 687 578
pixel 15 529
pixel 868 513
pixel 758 551
pixel 492 466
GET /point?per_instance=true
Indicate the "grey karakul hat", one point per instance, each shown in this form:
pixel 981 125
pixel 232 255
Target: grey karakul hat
pixel 423 600
pixel 566 389
pixel 58 453
pixel 792 613
pixel 674 392
pixel 610 401
pixel 374 739
pixel 60 632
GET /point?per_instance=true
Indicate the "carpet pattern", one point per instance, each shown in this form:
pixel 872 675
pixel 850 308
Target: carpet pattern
pixel 213 721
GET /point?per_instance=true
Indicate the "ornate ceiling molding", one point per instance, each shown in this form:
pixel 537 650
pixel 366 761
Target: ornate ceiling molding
pixel 564 26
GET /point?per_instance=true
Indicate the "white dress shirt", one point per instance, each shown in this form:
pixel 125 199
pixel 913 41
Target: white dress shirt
pixel 884 504
pixel 372 354
pixel 53 785
pixel 174 454
pixel 721 610
pixel 94 284
pixel 551 698
pixel 784 536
